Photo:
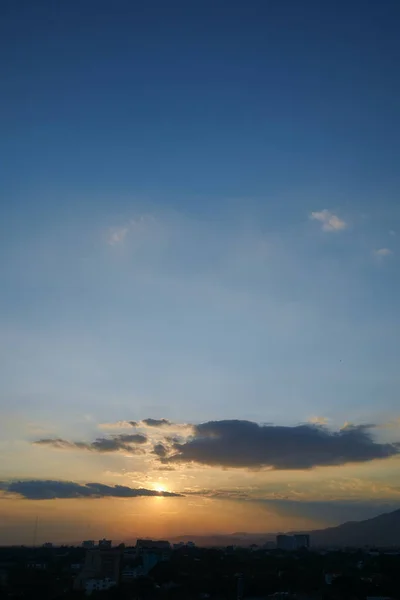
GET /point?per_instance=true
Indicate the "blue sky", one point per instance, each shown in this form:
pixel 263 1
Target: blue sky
pixel 199 218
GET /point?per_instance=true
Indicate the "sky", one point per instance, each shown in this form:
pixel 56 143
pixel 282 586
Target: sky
pixel 199 266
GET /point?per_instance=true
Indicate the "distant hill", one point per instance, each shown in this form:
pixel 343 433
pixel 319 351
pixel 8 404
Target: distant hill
pixel 383 530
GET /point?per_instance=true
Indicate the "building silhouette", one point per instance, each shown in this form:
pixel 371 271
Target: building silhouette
pixel 292 542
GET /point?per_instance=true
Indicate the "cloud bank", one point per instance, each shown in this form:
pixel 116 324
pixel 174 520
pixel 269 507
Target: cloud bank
pixel 48 490
pixel 244 444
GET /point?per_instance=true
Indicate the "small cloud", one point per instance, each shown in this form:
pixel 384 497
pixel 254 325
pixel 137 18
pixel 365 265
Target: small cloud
pixel 126 442
pixel 118 425
pixel 392 232
pixel 165 468
pixel 156 422
pixel 138 227
pixel 382 252
pixel 116 235
pixel 160 450
pixel 330 222
pixel 61 444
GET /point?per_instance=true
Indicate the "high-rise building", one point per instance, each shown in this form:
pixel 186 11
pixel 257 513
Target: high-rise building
pixel 302 540
pixel 151 553
pixel 285 542
pixel 239 586
pixel 161 548
pixel 100 563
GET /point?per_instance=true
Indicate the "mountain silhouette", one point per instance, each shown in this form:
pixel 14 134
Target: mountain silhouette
pixel 381 531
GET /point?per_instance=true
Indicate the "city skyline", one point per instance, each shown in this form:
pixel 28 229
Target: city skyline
pixel 199 235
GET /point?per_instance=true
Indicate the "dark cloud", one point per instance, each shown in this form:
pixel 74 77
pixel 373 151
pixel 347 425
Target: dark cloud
pixel 156 422
pixel 174 439
pixel 133 423
pixel 160 450
pixel 62 444
pixel 125 442
pixel 244 444
pixel 47 490
pixel 165 468
pixel 132 438
pixel 234 494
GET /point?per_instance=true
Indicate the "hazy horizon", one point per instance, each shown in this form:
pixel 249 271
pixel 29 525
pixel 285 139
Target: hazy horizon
pixel 53 532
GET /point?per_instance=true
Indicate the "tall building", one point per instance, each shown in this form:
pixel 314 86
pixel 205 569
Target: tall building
pixel 285 542
pixel 100 564
pixel 239 586
pixel 160 548
pixel 152 552
pixel 143 546
pixel 302 540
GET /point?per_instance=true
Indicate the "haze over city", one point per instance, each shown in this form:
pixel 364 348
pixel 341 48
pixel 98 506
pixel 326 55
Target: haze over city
pixel 199 266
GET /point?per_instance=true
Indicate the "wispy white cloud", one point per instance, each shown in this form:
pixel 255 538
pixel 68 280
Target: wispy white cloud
pixel 116 235
pixel 329 221
pixel 382 252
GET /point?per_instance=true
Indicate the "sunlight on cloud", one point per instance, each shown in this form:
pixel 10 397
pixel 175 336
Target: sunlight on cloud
pixel 319 420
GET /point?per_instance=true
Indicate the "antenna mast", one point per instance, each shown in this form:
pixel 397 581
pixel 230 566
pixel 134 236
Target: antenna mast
pixel 35 532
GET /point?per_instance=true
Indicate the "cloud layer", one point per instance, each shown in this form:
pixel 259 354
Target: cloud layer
pixel 244 444
pixel 48 490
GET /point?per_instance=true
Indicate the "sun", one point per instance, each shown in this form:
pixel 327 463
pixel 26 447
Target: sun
pixel 158 487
